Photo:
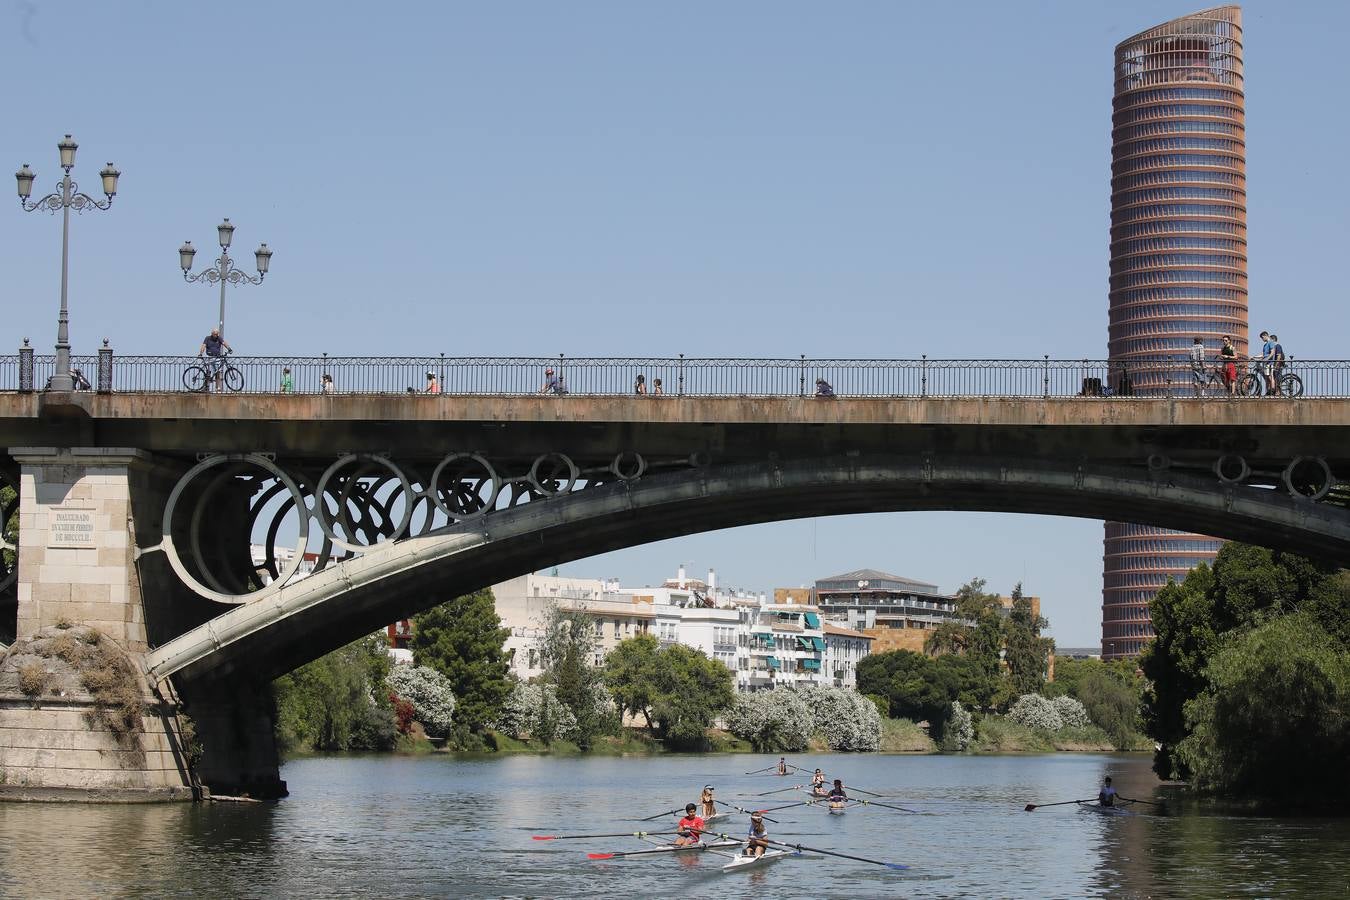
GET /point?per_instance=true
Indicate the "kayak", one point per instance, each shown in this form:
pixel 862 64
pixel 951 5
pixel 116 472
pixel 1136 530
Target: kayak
pixel 687 848
pixel 1105 810
pixel 746 862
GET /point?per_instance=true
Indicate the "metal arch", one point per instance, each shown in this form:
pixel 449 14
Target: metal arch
pixel 171 551
pixel 538 483
pixel 321 509
pixel 617 466
pixel 1288 478
pixel 433 487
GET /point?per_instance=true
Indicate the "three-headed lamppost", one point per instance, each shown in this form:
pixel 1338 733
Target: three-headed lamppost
pixel 66 199
pixel 224 270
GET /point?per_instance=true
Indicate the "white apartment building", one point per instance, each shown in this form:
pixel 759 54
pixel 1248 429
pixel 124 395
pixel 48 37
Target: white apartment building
pixel 844 649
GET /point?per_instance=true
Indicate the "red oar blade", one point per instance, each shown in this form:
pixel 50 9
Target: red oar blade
pixel 546 837
pixel 599 855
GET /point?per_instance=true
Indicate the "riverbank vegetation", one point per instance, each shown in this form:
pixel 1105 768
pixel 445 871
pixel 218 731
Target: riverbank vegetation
pixel 1249 679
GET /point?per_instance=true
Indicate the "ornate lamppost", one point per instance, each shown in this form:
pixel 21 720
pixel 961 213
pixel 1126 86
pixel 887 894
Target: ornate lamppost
pixel 224 270
pixel 68 198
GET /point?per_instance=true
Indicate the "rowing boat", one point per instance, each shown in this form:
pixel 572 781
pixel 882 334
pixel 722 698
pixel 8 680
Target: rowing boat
pixel 838 810
pixel 746 862
pixel 1104 810
pixel 708 820
pixel 686 848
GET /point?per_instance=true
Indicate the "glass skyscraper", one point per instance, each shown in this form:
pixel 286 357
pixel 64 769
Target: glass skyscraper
pixel 1178 258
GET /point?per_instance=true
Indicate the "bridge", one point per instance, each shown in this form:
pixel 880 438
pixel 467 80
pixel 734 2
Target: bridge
pixel 138 504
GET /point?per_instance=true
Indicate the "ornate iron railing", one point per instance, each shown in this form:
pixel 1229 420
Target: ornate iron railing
pixel 669 376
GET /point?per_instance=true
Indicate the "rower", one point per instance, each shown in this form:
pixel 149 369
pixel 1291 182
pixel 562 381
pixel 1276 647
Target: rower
pixel 837 795
pixel 690 829
pixel 757 838
pixel 818 783
pixel 1107 795
pixel 782 766
pixel 709 804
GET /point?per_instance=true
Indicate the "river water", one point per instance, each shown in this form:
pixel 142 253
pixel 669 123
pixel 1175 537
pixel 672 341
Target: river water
pixel 437 826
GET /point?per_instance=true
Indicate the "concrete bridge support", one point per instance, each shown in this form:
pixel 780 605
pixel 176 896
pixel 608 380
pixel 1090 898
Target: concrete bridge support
pixel 78 717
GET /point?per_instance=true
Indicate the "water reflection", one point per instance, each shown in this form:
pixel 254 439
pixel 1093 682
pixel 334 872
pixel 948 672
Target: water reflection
pixel 434 826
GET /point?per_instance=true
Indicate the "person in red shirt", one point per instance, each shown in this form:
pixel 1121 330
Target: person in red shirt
pixel 690 827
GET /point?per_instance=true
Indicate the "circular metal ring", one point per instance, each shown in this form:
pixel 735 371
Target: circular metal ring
pixel 628 465
pixel 171 552
pixel 1327 478
pixel 433 487
pixel 539 482
pixel 1223 468
pixel 1159 462
pixel 321 508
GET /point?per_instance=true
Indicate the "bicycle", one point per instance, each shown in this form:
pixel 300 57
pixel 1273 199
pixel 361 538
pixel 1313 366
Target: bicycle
pixel 199 378
pixel 1213 378
pixel 1253 383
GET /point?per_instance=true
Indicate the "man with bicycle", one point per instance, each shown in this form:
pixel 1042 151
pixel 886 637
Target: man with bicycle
pixel 214 348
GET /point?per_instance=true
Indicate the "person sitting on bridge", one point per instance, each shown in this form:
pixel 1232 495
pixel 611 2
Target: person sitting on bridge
pixel 433 386
pixel 79 382
pixel 640 386
pixel 823 388
pixel 287 381
pixel 1228 356
pixel 553 384
pixel 656 387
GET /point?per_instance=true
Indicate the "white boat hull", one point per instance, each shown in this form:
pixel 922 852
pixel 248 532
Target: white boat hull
pixel 688 848
pixel 747 862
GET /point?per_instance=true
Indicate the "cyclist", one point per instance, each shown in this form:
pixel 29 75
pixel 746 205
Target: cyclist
pixel 1228 356
pixel 1276 363
pixel 214 348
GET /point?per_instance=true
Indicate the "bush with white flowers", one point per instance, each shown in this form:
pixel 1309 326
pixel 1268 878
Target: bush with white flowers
pixel 1073 713
pixel 430 694
pixel 772 721
pixel 960 728
pixel 1035 711
pixel 846 719
pixel 534 711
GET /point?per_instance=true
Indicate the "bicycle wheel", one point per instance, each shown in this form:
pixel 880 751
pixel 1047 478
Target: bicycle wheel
pixel 1251 385
pixel 1291 385
pixel 234 379
pixel 196 378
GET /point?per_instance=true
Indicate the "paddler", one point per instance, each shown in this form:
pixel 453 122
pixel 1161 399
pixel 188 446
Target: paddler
pixel 837 795
pixel 756 839
pixel 709 804
pixel 1107 795
pixel 782 766
pixel 818 784
pixel 690 828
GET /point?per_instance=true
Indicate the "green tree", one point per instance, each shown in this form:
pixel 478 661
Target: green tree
pixel 1027 653
pixel 337 702
pixel 691 691
pixel 631 671
pixel 463 639
pixel 569 643
pixel 1247 587
pixel 1273 721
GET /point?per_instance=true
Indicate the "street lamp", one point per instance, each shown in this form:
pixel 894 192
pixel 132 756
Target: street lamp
pixel 224 270
pixel 68 198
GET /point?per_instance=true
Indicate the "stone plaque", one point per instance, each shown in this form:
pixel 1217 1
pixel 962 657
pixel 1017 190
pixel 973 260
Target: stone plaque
pixel 71 528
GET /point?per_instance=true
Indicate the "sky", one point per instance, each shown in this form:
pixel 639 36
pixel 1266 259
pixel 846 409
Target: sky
pixel 862 179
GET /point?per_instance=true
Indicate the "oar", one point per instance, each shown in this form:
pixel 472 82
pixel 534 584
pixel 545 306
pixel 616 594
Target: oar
pixel 888 806
pixel 1149 802
pixel 800 847
pixel 861 791
pixel 773 768
pixel 633 853
pixel 1035 806
pixel 669 812
pixel 795 787
pixel 575 837
pixel 741 809
pixel 788 806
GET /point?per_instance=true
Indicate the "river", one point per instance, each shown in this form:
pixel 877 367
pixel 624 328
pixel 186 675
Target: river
pixel 436 826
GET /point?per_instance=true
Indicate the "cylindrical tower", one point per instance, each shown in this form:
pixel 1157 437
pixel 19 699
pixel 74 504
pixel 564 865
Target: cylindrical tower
pixel 1178 258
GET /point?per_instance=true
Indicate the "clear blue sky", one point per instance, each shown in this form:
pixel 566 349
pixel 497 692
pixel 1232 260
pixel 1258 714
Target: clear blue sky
pixel 712 178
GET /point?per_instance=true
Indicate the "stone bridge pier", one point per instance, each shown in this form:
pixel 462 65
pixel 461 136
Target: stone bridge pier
pixel 79 717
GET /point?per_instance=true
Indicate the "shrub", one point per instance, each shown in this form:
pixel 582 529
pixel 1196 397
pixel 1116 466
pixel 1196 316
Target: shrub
pixel 847 720
pixel 960 730
pixel 1071 712
pixel 533 711
pixel 1034 711
pixel 429 693
pixel 32 679
pixel 772 721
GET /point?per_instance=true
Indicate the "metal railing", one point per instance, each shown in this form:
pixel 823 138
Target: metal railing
pixel 671 376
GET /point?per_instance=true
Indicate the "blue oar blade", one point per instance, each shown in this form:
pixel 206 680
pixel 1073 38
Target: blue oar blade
pixel 900 866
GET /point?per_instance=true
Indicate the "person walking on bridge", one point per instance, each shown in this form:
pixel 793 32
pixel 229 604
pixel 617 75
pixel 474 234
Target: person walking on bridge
pixel 1228 357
